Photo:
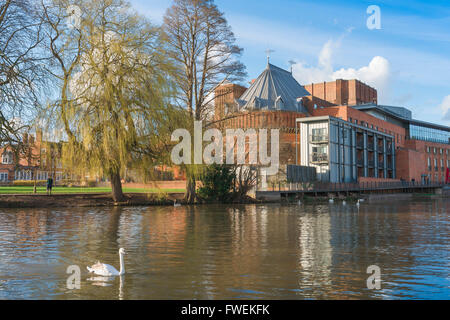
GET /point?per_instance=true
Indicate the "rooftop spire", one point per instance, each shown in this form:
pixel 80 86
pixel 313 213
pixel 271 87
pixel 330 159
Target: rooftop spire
pixel 268 52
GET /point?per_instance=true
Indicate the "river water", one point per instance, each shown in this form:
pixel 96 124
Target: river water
pixel 268 251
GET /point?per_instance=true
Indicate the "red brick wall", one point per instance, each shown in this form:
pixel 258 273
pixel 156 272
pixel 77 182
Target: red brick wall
pixel 226 94
pixel 343 92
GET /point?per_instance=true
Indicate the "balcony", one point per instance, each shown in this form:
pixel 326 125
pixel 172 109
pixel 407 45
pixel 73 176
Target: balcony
pixel 319 158
pixel 317 139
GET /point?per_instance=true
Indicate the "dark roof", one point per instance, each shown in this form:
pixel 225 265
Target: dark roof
pixel 395 113
pixel 274 89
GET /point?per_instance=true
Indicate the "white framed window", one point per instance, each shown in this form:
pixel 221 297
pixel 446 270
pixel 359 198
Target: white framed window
pixel 3 176
pixel 7 157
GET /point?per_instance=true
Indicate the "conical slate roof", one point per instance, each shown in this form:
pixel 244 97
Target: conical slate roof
pixel 274 89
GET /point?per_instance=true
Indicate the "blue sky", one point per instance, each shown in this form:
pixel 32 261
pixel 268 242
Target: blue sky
pixel 407 60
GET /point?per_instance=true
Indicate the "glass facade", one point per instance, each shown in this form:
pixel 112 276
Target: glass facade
pixel 429 134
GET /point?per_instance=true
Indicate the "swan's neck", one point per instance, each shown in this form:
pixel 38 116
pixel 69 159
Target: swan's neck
pixel 122 264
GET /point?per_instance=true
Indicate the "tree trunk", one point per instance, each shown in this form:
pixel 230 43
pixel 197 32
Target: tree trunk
pixel 190 191
pixel 116 186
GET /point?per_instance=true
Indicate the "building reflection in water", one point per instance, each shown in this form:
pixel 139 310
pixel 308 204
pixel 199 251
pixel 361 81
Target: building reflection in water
pixel 315 251
pixel 241 251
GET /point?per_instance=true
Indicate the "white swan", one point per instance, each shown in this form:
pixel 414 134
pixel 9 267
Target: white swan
pixel 103 269
pixel 331 200
pixel 176 204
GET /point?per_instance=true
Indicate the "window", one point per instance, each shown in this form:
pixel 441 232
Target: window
pixel 428 149
pixel 3 176
pixel 7 157
pixel 441 151
pixel 435 164
pixel 434 150
pixel 356 121
pixel 429 163
pixel 429 134
pixel 350 119
pixel 442 164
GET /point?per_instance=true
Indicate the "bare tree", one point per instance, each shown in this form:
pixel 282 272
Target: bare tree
pixel 202 45
pixel 22 72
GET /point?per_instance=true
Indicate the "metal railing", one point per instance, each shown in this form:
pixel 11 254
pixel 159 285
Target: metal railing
pixel 323 138
pixel 319 158
pixel 352 186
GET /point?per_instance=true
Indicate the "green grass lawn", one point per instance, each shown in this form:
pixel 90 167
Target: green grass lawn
pixel 29 190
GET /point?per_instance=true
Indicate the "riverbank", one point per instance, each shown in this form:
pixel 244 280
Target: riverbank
pixel 93 200
pixel 85 200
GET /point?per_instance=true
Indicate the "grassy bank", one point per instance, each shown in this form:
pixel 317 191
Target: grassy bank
pixel 70 190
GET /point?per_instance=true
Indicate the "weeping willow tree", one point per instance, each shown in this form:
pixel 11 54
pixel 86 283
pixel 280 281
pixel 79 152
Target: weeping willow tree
pixel 115 94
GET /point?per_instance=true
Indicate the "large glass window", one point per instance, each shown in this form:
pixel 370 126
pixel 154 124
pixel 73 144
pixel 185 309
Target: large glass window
pixel 429 134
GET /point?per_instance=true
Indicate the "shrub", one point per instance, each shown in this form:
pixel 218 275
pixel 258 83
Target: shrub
pixel 217 181
pixel 91 183
pixel 28 183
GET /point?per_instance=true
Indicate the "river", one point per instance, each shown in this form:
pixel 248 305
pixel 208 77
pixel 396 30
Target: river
pixel 270 251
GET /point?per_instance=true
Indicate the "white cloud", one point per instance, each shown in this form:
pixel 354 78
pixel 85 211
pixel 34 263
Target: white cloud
pixel 375 74
pixel 445 107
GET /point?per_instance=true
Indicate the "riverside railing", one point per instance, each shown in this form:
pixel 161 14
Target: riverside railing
pixel 353 186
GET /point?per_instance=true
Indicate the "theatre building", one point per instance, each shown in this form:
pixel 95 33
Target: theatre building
pixel 338 128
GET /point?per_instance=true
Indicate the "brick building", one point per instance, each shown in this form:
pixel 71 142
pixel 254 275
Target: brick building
pixel 34 158
pixel 419 150
pixel 343 92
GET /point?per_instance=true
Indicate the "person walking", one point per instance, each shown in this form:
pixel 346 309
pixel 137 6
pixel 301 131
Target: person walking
pixel 49 186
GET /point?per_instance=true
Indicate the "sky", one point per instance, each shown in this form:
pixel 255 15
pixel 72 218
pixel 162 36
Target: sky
pixel 407 59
